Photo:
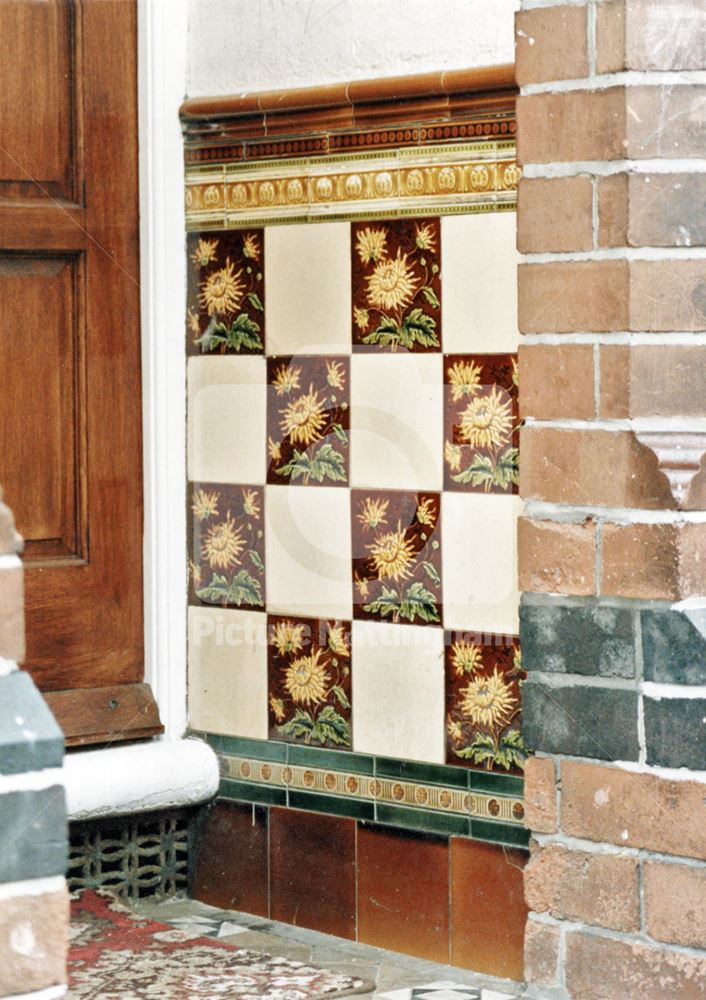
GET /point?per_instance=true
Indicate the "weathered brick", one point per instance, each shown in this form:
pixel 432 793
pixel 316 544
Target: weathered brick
pixel 613 211
pixel 34 934
pixel 569 467
pixel 675 903
pixel 557 381
pixel 673 645
pixel 12 632
pixel 666 210
pixel 615 381
pixel 681 116
pixel 667 295
pixel 601 889
pixel 33 834
pixel 30 738
pixel 575 125
pixel 601 968
pixel 643 810
pixel 665 34
pixel 562 719
pixel 555 215
pixel 591 639
pixel 675 732
pixel 540 795
pixel 610 36
pixel 541 953
pixel 654 560
pixel 660 381
pixel 538 57
pixel 555 557
pixel 573 297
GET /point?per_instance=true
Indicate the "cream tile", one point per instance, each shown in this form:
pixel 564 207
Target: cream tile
pixel 479 559
pixel 398 690
pixel 308 288
pixel 228 672
pixel 396 421
pixel 479 282
pixel 308 551
pixel 226 437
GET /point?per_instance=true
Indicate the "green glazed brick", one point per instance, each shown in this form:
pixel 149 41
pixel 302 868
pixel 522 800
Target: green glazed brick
pixel 244 791
pixel 332 805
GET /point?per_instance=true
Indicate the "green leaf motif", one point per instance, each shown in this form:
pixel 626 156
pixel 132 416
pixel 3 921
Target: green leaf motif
pixel 217 590
pixel 511 751
pixel 417 327
pixel 255 301
pixel 242 589
pixel 418 602
pixel 300 725
pixel 256 560
pixel 332 727
pixel 327 463
pixel 244 332
pixel 340 433
pixel 483 471
pixel 431 296
pixel 341 696
pixel 430 570
pixel 480 751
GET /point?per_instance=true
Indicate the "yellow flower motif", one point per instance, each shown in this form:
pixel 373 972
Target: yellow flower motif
pixel 362 318
pixel 250 504
pixel 465 657
pixel 373 512
pixel 515 372
pixel 370 244
pixel 223 545
pixel 517 659
pixel 205 252
pixel 334 374
pixel 392 555
pixel 425 513
pixel 337 641
pixel 205 504
pixel 363 588
pixel 195 572
pixel 489 702
pixel 288 637
pixel 452 454
pixel 487 420
pixel 304 418
pixel 277 706
pixel 222 291
pixel 454 730
pixel 194 322
pixel 251 248
pixel 392 284
pixel 306 679
pixel 286 379
pixel 425 239
pixel 464 377
pixel 274 450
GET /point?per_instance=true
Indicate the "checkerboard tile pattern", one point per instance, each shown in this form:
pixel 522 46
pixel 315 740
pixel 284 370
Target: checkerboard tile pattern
pixel 353 466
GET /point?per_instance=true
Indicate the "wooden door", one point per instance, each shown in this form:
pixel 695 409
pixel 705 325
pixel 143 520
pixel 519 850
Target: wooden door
pixel 70 421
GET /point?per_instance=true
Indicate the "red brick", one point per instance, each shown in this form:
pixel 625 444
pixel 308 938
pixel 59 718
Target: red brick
pixel 541 953
pixel 557 381
pixel 550 44
pixel 613 211
pixel 667 295
pixel 664 35
pixel 602 889
pixel 628 809
pixel 555 215
pixel 34 933
pixel 666 210
pixel 675 903
pixel 646 381
pixel 555 557
pixel 12 643
pixel 615 380
pixel 654 561
pixel 575 125
pixel 664 121
pixel 569 297
pixel 610 37
pixel 540 795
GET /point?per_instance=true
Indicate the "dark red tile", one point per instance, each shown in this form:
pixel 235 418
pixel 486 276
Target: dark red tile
pixel 229 863
pixel 312 866
pixel 403 892
pixel 488 911
pixel 484 702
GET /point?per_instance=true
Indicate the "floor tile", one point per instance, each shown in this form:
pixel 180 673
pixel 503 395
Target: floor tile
pixel 230 867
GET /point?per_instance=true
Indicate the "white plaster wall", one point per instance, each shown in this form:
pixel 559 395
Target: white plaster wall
pixel 250 45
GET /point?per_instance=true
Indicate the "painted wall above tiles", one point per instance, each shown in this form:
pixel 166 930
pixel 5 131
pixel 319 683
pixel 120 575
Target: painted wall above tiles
pixel 353 453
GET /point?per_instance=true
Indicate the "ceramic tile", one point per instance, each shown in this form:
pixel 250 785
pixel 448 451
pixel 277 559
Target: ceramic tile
pixel 226 545
pixel 309 681
pixel 312 871
pixel 228 671
pixel 398 691
pixel 396 421
pixel 308 289
pixel 488 911
pixel 396 282
pixel 483 703
pixel 225 292
pixel 396 556
pixel 226 419
pixel 479 292
pixel 479 533
pixel 403 891
pixel 308 552
pixel 440 990
pixel 481 423
pixel 308 410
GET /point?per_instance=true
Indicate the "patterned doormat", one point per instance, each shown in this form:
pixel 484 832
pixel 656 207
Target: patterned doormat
pixel 116 955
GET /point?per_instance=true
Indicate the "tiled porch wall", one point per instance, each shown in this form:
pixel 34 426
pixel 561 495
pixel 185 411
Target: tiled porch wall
pixel 353 432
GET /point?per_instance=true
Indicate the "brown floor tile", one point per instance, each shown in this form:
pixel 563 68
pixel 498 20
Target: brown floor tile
pixel 230 866
pixel 313 871
pixel 403 892
pixel 488 910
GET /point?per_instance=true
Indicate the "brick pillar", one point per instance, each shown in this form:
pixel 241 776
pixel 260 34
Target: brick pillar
pixel 612 303
pixel 33 896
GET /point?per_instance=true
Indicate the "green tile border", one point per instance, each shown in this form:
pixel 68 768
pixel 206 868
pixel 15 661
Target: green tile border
pixel 422 820
pixel 336 760
pixel 499 833
pixel 246 791
pixel 412 770
pixel 502 784
pixel 334 805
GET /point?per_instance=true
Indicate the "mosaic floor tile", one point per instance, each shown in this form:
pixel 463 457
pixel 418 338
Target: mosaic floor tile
pixel 226 545
pixel 481 423
pixel 397 556
pixel 396 277
pixel 445 991
pixel 483 702
pixel 309 681
pixel 225 292
pixel 308 411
